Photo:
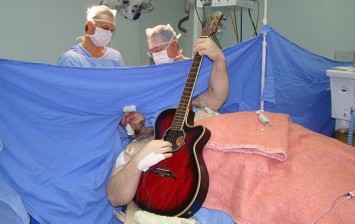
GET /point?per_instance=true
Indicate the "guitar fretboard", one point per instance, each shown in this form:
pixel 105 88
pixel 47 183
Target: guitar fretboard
pixel 182 110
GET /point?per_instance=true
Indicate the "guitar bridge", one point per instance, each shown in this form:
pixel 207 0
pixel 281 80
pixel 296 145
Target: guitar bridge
pixel 164 172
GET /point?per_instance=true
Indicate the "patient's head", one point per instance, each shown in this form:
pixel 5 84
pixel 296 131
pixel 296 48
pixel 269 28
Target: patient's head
pixel 136 121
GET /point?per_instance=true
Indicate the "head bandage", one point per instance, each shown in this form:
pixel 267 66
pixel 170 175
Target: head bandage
pixel 165 32
pixel 95 13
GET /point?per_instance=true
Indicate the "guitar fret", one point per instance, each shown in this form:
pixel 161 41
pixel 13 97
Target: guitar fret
pixel 181 112
pixel 180 116
pixel 187 98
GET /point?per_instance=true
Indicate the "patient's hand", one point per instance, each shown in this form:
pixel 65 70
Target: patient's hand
pixel 154 152
pixel 206 46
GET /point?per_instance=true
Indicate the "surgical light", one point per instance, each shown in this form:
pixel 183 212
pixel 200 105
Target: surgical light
pixel 130 9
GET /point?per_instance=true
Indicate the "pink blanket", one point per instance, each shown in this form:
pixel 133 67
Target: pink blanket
pixel 284 174
pixel 245 133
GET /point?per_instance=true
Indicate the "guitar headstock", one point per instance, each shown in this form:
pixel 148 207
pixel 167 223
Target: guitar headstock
pixel 212 24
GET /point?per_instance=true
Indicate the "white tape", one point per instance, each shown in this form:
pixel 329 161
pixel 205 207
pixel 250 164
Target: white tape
pixel 144 217
pixel 208 110
pixel 150 160
pixel 129 129
pixel 263 119
pixel 129 108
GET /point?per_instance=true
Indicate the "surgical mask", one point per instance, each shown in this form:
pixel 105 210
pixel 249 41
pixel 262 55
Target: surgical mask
pixel 162 57
pixel 101 37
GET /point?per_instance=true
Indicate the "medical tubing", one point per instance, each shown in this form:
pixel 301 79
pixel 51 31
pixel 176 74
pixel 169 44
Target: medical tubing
pixel 351 127
pixel 335 204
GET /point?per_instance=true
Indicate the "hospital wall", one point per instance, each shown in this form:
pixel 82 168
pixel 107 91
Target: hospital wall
pixel 320 26
pixel 41 30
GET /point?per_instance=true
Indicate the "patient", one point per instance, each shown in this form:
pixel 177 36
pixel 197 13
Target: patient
pixel 126 174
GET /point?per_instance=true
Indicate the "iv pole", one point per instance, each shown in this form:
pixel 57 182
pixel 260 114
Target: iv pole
pixel 263 59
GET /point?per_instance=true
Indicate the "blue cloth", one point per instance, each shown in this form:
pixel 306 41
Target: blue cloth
pixel 79 57
pixel 296 83
pixel 58 124
pixel 12 209
pixel 212 216
pixel 1 145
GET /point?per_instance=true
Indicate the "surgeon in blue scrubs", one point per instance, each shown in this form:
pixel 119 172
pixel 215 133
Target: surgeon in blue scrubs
pixel 93 51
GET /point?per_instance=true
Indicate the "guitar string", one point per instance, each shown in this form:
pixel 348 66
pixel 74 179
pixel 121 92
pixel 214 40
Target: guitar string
pixel 191 80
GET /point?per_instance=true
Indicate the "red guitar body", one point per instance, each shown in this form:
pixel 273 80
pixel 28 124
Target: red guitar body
pixel 176 186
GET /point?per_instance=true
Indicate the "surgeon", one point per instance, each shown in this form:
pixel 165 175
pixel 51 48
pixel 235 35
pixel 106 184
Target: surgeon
pixel 164 48
pixel 92 51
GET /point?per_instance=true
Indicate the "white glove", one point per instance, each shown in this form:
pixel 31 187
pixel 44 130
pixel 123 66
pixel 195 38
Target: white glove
pixel 143 217
pixel 150 160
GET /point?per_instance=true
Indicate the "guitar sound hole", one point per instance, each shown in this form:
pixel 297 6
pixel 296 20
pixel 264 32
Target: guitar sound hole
pixel 177 138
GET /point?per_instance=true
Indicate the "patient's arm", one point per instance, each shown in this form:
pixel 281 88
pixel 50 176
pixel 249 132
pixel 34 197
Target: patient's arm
pixel 123 183
pixel 218 86
pixel 124 180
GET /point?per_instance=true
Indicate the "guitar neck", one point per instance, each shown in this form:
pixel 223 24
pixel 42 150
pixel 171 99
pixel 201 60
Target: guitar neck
pixel 182 110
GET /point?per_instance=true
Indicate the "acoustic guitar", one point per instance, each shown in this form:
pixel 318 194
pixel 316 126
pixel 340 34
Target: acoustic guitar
pixel 177 186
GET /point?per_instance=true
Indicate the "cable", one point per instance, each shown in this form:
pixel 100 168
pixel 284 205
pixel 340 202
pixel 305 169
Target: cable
pixel 241 25
pixel 198 16
pixel 257 20
pixel 181 21
pixel 202 23
pixel 252 23
pixel 335 205
pixel 234 24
